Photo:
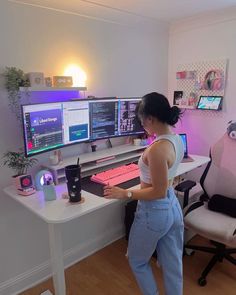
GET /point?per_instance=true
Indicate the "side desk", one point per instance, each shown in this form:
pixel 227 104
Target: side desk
pixel 61 211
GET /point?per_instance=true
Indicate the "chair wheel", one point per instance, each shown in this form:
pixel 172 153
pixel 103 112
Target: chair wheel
pixel 202 282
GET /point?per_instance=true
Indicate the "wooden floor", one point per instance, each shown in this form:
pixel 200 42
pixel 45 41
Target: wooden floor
pixel 107 273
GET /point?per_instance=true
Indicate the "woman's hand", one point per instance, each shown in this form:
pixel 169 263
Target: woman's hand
pixel 114 192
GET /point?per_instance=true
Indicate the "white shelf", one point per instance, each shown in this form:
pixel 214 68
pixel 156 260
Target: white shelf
pixel 122 154
pixel 119 159
pixel 94 156
pixel 42 88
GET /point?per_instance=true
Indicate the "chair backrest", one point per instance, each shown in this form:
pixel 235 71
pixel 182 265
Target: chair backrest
pixel 221 176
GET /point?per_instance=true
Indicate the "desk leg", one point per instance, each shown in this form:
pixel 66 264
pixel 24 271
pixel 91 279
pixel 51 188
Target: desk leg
pixel 57 263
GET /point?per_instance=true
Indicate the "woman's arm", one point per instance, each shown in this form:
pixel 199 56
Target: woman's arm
pixel 157 158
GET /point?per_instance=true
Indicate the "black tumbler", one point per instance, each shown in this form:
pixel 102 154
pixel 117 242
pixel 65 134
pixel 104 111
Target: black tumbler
pixel 73 179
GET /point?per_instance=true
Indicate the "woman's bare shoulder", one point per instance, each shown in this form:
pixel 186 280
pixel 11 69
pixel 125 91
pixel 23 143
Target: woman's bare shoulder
pixel 161 151
pixel 160 146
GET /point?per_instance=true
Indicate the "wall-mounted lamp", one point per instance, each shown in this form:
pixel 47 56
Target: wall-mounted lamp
pixel 79 76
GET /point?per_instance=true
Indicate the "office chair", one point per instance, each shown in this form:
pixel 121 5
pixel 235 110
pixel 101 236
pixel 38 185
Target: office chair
pixel 219 226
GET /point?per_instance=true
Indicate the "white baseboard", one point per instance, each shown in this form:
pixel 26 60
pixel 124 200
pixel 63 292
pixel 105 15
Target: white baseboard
pixel 42 272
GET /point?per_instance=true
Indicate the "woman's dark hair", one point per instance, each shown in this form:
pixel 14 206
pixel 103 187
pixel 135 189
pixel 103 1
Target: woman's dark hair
pixel 157 105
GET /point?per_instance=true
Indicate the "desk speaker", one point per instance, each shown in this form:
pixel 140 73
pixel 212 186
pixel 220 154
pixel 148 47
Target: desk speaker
pixel 24 184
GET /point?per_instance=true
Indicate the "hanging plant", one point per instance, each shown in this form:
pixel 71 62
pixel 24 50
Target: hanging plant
pixel 14 79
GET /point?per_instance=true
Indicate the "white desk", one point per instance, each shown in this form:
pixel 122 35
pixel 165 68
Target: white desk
pixel 60 211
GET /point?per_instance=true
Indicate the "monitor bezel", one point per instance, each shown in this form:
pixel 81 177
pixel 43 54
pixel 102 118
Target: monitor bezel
pixel 219 106
pixel 75 143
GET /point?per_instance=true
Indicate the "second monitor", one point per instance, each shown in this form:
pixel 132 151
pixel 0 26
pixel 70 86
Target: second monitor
pixel 113 117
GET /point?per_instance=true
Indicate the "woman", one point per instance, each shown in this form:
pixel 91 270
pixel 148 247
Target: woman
pixel 158 223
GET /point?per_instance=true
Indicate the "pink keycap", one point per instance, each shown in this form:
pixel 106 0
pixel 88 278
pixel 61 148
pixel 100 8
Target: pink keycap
pixel 117 175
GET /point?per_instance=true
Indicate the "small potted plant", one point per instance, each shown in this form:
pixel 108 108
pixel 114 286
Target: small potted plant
pixel 20 165
pixel 14 79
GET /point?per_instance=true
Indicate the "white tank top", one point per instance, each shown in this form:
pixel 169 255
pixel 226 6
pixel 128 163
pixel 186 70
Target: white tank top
pixel 179 154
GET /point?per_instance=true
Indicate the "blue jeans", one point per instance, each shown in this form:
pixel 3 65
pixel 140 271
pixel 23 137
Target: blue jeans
pixel 158 225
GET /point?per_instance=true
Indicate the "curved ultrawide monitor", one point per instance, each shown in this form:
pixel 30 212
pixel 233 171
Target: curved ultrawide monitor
pixel 50 126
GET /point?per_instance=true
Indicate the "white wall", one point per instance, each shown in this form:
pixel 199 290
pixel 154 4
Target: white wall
pixel 119 60
pixel 207 37
pixel 203 38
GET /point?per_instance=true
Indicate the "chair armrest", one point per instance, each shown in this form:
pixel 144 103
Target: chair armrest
pixel 185 186
pixel 192 207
